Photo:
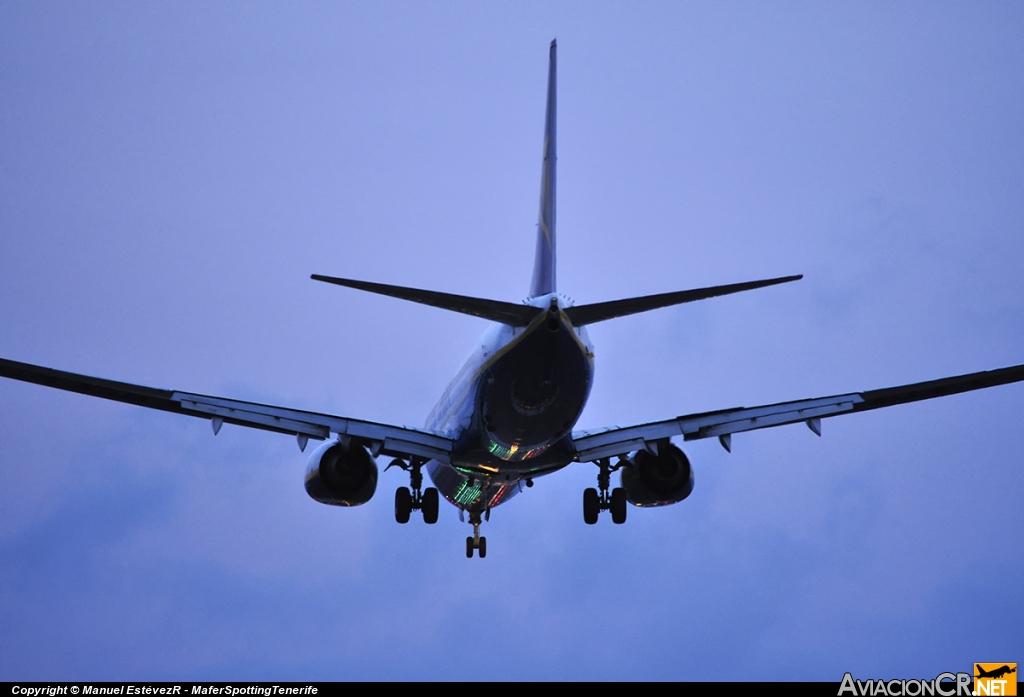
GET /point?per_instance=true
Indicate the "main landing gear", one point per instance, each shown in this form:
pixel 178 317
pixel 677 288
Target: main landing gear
pixel 594 503
pixel 476 541
pixel 407 501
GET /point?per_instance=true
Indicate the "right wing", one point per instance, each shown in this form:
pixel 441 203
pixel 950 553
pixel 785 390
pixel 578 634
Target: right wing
pixel 396 441
pixel 591 446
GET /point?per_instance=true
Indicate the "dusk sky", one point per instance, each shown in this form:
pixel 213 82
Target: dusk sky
pixel 172 173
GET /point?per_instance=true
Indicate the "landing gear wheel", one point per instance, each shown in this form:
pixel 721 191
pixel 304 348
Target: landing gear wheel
pixel 618 506
pixel 403 504
pixel 429 506
pixel 591 506
pixel 469 548
pixel 483 547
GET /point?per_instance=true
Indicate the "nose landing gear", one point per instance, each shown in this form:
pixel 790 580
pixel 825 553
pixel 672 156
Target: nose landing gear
pixel 476 542
pixel 594 502
pixel 408 500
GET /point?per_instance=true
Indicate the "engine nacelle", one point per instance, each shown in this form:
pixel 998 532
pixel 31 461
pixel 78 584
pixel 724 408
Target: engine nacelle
pixel 341 475
pixel 658 480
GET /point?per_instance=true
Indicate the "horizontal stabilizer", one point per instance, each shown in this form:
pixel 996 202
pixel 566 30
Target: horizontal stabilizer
pixel 494 310
pixel 599 312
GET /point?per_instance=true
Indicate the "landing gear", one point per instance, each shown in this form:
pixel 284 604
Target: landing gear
pixel 476 542
pixel 429 506
pixel 594 502
pixel 591 506
pixel 618 505
pixel 408 500
pixel 403 504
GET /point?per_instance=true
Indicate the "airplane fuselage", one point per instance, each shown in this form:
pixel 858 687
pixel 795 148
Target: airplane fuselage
pixel 512 407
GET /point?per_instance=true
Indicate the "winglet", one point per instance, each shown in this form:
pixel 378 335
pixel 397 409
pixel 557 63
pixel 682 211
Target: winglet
pixel 544 261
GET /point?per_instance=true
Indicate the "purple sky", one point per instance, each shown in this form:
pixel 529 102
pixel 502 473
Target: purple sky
pixel 171 173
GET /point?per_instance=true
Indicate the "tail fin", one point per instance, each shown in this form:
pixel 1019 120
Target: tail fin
pixel 544 262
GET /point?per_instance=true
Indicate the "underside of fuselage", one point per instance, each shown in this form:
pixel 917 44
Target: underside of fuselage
pixel 525 399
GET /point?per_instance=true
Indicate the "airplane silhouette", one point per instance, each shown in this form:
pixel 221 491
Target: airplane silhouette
pixel 507 417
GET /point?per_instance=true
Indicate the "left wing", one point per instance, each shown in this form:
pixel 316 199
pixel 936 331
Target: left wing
pixel 620 441
pixel 396 441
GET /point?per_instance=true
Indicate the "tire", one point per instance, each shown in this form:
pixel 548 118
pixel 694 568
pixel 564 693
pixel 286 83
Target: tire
pixel 403 504
pixel 591 506
pixel 619 506
pixel 429 506
pixel 469 548
pixel 483 547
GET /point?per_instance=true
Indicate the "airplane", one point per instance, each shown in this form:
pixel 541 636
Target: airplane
pixel 995 672
pixel 507 417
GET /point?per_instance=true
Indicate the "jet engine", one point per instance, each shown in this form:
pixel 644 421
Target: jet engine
pixel 341 474
pixel 658 480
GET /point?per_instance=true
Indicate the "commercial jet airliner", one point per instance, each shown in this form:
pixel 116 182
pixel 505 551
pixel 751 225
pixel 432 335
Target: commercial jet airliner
pixel 507 417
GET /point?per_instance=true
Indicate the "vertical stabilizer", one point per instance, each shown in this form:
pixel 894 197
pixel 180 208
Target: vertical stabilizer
pixel 544 262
